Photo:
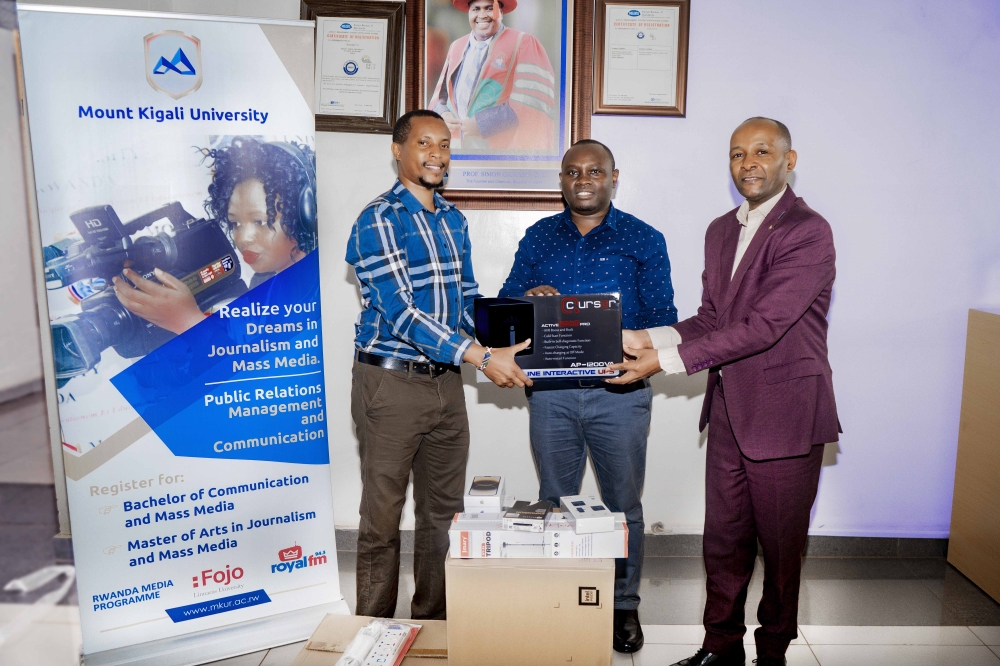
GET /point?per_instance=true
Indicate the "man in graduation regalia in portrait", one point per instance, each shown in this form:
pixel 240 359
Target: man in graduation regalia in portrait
pixel 497 89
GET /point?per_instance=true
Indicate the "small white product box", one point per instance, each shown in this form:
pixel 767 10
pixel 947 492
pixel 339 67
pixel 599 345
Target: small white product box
pixel 481 535
pixel 565 542
pixel 587 514
pixel 485 494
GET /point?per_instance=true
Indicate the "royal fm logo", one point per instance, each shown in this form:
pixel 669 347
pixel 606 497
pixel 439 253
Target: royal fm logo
pixel 572 304
pixel 173 62
pixel 221 577
pixel 292 558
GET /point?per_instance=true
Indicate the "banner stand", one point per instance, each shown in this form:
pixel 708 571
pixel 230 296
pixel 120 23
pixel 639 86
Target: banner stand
pixel 194 450
pixel 214 644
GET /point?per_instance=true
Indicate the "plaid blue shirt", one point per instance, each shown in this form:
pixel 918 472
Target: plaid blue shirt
pixel 414 267
pixel 622 254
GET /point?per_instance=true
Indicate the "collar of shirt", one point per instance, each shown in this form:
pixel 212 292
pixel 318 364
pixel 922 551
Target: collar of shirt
pixel 753 218
pixel 413 205
pixel 611 219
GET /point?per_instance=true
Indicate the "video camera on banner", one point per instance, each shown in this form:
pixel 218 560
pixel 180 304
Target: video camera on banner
pixel 198 253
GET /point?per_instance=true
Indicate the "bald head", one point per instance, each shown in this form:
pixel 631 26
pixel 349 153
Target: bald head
pixel 783 132
pixel 760 159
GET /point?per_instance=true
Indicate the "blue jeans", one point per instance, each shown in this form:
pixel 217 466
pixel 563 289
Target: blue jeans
pixel 613 424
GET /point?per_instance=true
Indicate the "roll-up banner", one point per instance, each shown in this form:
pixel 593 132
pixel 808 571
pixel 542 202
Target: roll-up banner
pixel 174 170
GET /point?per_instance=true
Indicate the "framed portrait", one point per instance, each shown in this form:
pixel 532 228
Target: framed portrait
pixel 508 76
pixel 358 64
pixel 640 57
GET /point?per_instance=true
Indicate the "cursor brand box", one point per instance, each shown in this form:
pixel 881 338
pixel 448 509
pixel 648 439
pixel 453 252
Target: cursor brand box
pixel 572 337
pixel 538 612
pixel 587 514
pixel 505 322
pixel 485 493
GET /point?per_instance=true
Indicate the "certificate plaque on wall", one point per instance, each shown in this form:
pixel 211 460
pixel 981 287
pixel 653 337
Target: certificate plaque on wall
pixel 640 57
pixel 358 64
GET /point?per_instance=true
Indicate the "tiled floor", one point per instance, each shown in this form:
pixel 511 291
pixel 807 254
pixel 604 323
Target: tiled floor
pixel 853 612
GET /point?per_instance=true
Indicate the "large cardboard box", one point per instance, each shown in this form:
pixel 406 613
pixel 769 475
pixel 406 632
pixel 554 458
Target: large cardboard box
pixel 326 646
pixel 530 612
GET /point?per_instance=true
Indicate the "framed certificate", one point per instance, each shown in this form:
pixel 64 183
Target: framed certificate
pixel 358 64
pixel 640 57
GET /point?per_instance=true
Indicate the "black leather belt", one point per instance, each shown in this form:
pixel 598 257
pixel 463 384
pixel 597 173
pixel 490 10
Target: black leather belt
pixel 389 363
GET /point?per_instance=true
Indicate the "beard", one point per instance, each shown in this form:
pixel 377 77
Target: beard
pixel 429 185
pixel 588 207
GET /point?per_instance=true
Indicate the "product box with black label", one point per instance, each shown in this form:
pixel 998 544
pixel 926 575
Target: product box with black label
pixel 527 516
pixel 536 612
pixel 485 493
pixel 572 336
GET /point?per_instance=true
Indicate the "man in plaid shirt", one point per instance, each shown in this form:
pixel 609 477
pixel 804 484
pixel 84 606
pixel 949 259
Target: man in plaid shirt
pixel 411 253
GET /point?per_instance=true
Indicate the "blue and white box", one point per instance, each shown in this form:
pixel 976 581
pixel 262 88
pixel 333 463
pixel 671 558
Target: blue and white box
pixel 587 514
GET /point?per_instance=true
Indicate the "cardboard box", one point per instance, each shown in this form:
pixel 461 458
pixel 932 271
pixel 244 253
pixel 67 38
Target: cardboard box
pixel 587 513
pixel 482 535
pixel 530 612
pixel 326 646
pixel 485 492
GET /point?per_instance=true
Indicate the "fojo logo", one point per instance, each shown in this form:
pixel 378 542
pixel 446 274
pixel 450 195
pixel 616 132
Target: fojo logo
pixel 633 12
pixel 173 62
pixel 291 558
pixel 346 26
pixel 220 577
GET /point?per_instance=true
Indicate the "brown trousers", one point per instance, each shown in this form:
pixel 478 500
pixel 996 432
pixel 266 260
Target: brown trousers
pixel 407 422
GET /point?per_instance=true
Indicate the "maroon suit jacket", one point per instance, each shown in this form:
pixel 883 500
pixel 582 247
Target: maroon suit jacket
pixel 766 329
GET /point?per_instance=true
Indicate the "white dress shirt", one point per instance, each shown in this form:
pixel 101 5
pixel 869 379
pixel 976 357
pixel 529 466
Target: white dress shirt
pixel 666 338
pixel 468 76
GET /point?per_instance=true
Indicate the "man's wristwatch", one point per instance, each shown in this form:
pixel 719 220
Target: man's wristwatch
pixel 486 358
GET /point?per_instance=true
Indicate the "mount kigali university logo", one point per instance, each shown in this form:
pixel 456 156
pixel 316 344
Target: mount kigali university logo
pixel 173 62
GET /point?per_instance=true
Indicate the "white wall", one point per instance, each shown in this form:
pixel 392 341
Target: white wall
pixel 20 355
pixel 892 106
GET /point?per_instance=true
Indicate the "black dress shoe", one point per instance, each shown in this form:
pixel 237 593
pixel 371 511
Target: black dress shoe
pixel 735 657
pixel 628 632
pixel 770 661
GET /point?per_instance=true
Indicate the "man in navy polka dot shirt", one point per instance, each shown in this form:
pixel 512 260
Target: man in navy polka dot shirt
pixel 592 247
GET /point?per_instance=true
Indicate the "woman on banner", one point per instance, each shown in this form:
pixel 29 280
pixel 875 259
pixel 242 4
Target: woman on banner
pixel 263 196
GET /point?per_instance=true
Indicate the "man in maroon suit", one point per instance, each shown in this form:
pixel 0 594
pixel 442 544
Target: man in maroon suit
pixel 761 334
